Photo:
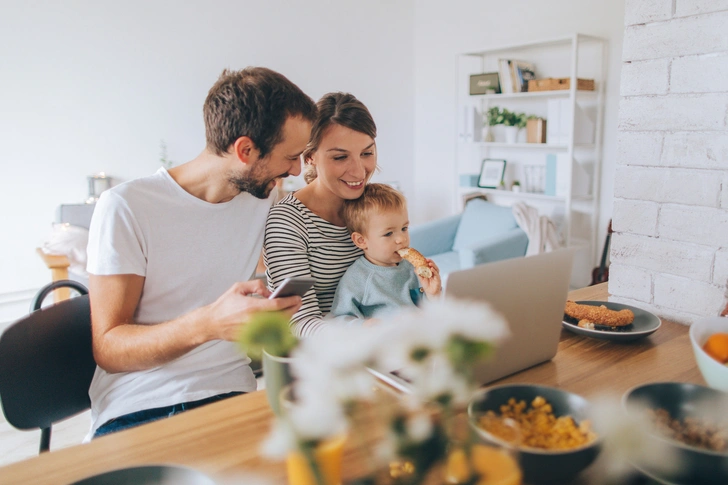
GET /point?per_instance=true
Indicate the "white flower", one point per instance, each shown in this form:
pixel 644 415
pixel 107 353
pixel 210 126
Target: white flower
pixel 316 417
pixel 625 440
pixel 419 426
pixel 339 347
pixel 280 441
pixel 440 379
pixel 431 327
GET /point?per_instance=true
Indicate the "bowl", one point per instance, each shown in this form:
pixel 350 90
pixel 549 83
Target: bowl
pixel 538 466
pixel 149 475
pixel 697 465
pixel 714 373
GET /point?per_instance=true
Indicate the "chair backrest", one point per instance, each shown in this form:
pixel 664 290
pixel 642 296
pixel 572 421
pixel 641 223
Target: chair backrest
pixel 46 362
pixel 481 219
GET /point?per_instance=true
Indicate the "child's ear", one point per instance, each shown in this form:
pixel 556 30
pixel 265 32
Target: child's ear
pixel 359 240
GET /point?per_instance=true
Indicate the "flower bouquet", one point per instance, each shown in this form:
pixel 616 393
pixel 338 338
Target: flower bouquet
pixel 408 438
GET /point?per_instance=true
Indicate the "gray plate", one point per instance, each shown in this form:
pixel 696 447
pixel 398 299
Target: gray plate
pixel 644 323
pixel 149 475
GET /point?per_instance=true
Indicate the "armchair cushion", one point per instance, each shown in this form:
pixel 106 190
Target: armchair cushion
pixel 480 219
pixel 435 237
pixel 506 245
pixel 447 262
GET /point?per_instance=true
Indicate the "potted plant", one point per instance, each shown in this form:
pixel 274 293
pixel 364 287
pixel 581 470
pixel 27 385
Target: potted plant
pixel 490 119
pixel 516 186
pixel 513 123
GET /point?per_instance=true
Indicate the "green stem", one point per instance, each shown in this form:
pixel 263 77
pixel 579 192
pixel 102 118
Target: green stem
pixel 309 452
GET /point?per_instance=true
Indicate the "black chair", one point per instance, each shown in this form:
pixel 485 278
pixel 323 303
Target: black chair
pixel 47 363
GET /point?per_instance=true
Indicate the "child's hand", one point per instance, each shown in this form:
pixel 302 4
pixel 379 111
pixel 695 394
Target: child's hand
pixel 432 286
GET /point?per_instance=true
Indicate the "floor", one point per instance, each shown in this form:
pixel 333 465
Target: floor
pixel 16 445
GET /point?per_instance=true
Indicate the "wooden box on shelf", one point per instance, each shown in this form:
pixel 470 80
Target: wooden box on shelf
pixel 536 130
pixel 558 84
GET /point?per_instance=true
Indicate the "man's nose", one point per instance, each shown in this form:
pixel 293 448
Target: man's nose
pixel 295 169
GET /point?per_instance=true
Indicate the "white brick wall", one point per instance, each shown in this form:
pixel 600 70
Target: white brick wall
pixel 684 8
pixel 720 270
pixel 695 74
pixel 702 34
pixel 686 295
pixel 660 255
pixel 639 148
pixel 668 185
pixel 635 217
pixel 645 77
pixel 669 251
pixel 643 11
pixel 630 282
pixel 672 113
pixel 695 150
pixel 699 225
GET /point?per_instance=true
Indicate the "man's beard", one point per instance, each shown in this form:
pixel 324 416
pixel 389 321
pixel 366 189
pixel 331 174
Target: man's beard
pixel 251 182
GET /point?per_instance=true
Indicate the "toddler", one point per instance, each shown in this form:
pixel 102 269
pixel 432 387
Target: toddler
pixel 380 280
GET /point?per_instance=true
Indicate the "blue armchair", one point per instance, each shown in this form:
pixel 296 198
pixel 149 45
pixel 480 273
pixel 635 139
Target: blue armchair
pixel 483 233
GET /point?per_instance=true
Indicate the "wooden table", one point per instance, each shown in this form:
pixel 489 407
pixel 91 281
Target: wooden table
pixel 225 437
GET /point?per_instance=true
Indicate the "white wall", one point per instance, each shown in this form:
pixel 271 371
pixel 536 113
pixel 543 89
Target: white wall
pixel 89 86
pixel 670 251
pixel 470 25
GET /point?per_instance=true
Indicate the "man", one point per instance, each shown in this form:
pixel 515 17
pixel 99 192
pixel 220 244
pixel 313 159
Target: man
pixel 167 254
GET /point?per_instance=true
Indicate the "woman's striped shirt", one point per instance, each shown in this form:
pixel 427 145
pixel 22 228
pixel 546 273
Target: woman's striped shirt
pixel 300 243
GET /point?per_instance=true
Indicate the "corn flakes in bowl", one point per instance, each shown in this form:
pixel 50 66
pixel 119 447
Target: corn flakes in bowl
pixel 552 434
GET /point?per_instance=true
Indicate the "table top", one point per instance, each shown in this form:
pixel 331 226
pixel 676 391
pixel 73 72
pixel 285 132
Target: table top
pixel 225 437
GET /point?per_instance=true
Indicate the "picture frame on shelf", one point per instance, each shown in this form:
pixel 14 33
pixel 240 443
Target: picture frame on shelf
pixel 486 83
pixel 491 173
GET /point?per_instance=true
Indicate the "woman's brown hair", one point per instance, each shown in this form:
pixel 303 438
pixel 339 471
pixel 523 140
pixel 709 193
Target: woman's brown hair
pixel 336 109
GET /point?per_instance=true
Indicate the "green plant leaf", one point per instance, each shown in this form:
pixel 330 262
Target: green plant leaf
pixel 267 331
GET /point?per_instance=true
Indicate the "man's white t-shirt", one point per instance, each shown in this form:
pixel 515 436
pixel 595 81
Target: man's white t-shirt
pixel 190 252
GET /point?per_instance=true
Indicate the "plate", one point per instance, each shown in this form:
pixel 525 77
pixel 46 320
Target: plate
pixel 644 323
pixel 149 475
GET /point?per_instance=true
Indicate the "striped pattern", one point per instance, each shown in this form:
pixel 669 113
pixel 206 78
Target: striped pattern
pixel 300 243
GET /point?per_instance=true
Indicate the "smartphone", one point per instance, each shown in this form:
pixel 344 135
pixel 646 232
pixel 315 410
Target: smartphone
pixel 293 286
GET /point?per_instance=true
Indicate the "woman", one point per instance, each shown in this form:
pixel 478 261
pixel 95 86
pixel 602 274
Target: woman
pixel 305 235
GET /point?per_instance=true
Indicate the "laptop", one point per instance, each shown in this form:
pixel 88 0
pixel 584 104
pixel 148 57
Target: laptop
pixel 531 293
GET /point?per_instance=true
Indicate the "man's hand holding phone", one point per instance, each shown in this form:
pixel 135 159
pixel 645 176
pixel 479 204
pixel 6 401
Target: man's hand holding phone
pixel 293 286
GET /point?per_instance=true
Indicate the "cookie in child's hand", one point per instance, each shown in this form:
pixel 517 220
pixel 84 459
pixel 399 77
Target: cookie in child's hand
pixel 417 260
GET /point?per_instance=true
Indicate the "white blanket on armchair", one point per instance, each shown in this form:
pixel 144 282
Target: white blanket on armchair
pixel 541 231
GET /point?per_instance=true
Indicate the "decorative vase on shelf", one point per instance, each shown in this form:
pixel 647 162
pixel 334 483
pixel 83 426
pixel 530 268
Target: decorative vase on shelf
pixel 487 134
pixel 511 133
pixel 521 138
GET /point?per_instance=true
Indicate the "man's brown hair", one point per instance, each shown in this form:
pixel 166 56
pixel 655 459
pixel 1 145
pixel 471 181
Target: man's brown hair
pixel 253 102
pixel 376 198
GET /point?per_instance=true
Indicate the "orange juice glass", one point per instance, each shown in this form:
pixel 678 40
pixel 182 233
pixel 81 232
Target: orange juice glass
pixel 495 466
pixel 328 456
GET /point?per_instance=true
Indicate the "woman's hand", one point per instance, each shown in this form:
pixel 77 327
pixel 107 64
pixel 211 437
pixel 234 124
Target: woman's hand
pixel 432 286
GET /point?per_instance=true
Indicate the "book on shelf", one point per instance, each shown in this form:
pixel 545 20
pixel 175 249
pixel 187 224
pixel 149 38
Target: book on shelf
pixel 514 75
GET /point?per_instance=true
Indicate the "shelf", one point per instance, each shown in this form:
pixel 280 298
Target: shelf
pixel 563 40
pixel 522 145
pixel 561 93
pixel 510 193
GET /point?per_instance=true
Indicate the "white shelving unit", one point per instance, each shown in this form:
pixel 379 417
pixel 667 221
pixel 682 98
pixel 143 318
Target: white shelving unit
pixel 575 56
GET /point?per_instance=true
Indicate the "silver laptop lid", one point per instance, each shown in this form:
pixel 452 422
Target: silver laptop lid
pixel 531 293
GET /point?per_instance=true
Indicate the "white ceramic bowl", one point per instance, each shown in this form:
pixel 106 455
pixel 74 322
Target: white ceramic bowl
pixel 714 373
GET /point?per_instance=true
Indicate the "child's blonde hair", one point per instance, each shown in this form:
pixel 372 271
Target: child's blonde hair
pixel 376 197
